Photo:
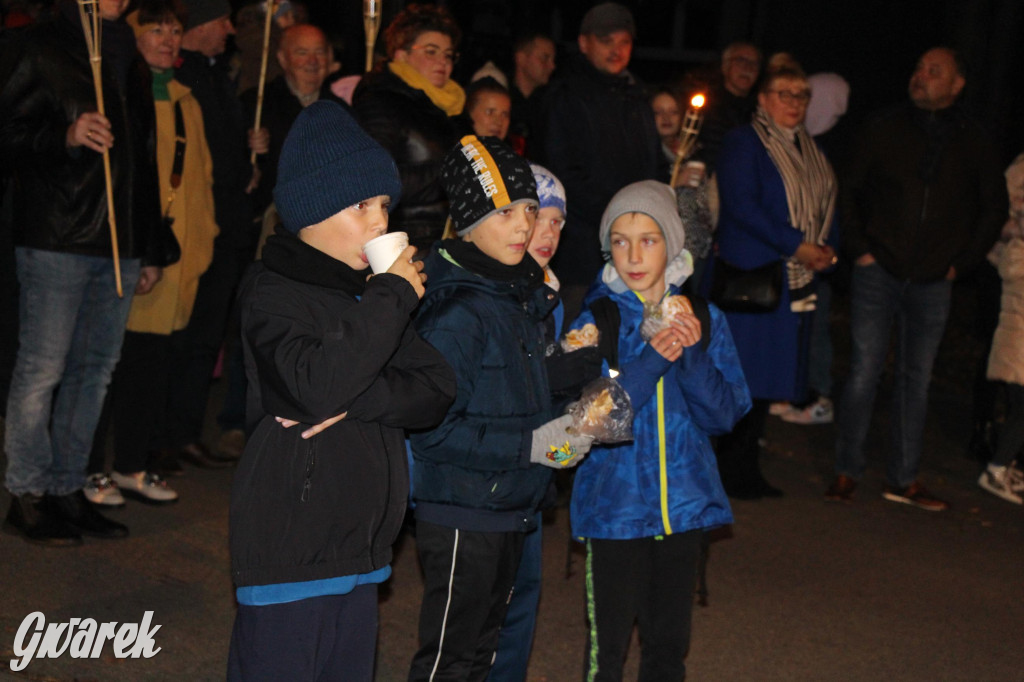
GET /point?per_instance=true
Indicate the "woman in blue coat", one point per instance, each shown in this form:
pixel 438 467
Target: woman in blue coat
pixel 778 196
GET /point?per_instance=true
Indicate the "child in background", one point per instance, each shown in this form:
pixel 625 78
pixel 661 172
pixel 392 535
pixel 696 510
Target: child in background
pixel 641 506
pixel 479 477
pixel 314 513
pixel 488 108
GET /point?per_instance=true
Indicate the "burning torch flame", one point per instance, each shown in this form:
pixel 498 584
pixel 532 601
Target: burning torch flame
pixel 697 101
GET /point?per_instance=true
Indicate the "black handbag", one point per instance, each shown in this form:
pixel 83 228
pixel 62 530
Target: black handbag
pixel 747 291
pixel 167 251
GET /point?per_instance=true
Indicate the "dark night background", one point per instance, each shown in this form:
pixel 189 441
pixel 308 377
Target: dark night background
pixel 874 44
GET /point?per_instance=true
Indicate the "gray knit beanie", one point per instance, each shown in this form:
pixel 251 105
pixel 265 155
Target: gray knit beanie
pixel 657 200
pixel 654 199
pixel 327 164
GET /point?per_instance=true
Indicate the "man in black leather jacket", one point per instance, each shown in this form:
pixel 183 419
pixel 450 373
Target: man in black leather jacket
pixel 72 320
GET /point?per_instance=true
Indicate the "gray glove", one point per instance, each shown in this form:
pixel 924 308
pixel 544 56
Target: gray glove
pixel 554 447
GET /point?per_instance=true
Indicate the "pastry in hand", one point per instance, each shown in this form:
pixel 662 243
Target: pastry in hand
pixel 600 407
pixel 674 305
pixel 580 338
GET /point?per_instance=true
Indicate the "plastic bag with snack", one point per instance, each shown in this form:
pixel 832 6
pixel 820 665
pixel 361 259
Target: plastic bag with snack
pixel 603 412
pixel 583 337
pixel 658 314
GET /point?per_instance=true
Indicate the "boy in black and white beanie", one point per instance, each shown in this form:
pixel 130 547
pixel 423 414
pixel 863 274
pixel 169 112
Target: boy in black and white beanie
pixel 315 509
pixel 482 175
pixel 479 477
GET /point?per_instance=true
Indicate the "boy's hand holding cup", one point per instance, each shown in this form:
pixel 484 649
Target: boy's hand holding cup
pixel 391 253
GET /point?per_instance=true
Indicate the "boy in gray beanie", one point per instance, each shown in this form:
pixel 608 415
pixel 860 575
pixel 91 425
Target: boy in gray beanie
pixel 315 510
pixel 642 506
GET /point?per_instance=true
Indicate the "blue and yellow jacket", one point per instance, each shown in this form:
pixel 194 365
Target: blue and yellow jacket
pixel 665 480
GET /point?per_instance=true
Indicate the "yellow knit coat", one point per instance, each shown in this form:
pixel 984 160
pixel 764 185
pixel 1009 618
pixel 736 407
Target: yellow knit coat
pixel 168 306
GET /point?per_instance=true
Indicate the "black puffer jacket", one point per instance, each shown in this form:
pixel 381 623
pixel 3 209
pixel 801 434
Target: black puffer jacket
pixel 473 471
pixel 59 202
pixel 331 505
pixel 417 135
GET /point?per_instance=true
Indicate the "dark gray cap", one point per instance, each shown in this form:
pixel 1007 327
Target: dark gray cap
pixel 606 18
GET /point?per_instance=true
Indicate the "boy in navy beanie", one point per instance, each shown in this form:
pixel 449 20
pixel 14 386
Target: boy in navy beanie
pixel 315 509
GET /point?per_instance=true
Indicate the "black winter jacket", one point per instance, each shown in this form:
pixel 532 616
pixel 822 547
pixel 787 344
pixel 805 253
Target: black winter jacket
pixel 599 136
pixel 417 134
pixel 473 472
pixel 332 505
pixel 924 191
pixel 59 200
pixel 226 127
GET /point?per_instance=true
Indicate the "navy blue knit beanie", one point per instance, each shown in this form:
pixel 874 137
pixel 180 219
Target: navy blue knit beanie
pixel 327 164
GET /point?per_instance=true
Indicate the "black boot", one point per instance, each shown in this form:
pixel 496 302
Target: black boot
pixel 34 518
pixel 78 512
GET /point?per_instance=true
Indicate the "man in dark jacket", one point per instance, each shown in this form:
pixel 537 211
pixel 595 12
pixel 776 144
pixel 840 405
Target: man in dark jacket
pixel 72 317
pixel 922 204
pixel 732 103
pixel 599 136
pixel 203 70
pixel 534 56
pixel 304 56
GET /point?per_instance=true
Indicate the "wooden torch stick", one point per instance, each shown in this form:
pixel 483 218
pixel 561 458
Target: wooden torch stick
pixel 267 24
pixel 688 132
pixel 371 24
pixel 91 26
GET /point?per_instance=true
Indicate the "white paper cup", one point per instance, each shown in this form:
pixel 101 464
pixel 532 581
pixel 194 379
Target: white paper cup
pixel 696 172
pixel 383 251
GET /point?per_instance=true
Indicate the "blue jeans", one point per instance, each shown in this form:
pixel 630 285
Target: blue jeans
pixel 920 311
pixel 72 324
pixel 515 641
pixel 819 365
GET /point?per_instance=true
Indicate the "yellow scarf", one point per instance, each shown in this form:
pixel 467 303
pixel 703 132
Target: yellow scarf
pixel 450 98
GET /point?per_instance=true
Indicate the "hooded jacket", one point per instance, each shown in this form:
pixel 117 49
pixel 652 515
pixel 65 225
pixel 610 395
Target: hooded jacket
pixel 473 471
pixel 666 479
pixel 331 505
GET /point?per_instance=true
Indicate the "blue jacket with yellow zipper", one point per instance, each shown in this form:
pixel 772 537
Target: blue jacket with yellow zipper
pixel 665 480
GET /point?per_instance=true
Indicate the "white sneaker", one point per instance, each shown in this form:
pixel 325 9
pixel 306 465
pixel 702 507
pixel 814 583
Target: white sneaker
pixel 996 480
pixel 820 411
pixel 778 408
pixel 145 487
pixel 101 489
pixel 1016 478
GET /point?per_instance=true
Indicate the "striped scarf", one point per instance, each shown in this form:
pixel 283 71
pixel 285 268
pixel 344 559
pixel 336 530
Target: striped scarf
pixel 810 192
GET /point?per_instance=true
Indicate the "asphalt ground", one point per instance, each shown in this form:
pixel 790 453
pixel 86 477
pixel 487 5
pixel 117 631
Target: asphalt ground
pixel 800 589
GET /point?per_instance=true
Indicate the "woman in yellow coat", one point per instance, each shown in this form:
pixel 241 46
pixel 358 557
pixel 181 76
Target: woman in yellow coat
pixel 152 352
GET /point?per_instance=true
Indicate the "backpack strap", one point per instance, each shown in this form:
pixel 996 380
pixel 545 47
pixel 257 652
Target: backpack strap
pixel 607 318
pixel 703 313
